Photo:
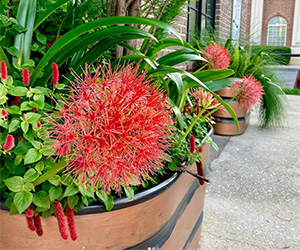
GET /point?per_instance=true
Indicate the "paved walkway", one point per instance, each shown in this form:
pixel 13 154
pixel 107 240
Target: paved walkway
pixel 253 200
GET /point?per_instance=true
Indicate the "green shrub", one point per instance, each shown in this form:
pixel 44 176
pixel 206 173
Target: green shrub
pixel 272 51
pixel 289 91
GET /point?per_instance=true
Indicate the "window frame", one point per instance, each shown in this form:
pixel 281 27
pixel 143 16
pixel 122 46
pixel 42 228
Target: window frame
pixel 277 25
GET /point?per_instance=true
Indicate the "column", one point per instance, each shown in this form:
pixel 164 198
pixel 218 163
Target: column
pixel 256 21
pixel 296 33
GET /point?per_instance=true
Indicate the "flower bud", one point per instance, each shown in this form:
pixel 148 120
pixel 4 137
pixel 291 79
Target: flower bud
pixel 55 74
pixel 26 77
pixel 9 143
pixel 4 113
pixel 3 70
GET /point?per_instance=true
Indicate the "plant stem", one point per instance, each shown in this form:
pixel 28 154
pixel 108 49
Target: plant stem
pixel 54 170
pixel 190 127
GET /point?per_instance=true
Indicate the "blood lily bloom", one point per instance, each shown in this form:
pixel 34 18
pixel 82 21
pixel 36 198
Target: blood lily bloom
pixel 248 90
pixel 217 55
pixel 113 128
pixel 205 99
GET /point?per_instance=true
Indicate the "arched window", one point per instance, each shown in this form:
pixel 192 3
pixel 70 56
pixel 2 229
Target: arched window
pixel 277 31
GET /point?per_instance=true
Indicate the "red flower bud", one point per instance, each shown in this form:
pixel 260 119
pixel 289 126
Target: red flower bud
pixel 38 124
pixel 60 216
pixel 34 110
pixel 9 143
pixel 20 138
pixel 4 113
pixel 16 101
pixel 38 225
pixel 192 144
pixel 71 223
pixel 29 212
pixel 3 70
pixel 200 149
pixel 55 74
pixel 26 77
pixel 30 224
pixel 200 171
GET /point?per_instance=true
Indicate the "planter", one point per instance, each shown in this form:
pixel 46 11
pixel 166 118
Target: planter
pixel 225 124
pixel 168 216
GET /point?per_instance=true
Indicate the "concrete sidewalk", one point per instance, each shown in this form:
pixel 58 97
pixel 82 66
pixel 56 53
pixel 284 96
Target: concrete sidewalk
pixel 253 200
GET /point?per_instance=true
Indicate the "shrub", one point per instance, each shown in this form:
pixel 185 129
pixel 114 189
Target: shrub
pixel 272 51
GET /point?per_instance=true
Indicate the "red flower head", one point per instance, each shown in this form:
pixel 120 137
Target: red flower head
pixel 55 74
pixel 26 77
pixel 16 101
pixel 3 70
pixel 249 91
pixel 9 143
pixel 114 128
pixel 205 99
pixel 217 55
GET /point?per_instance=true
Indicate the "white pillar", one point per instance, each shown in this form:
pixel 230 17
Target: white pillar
pixel 256 22
pixel 296 33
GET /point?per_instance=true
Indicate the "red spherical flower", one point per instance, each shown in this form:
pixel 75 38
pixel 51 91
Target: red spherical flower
pixel 9 143
pixel 3 70
pixel 114 128
pixel 26 77
pixel 55 74
pixel 4 113
pixel 217 55
pixel 200 149
pixel 248 90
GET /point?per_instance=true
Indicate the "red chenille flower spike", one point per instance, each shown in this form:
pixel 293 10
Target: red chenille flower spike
pixel 60 216
pixel 26 77
pixel 29 212
pixel 55 74
pixel 30 224
pixel 38 225
pixel 200 171
pixel 71 223
pixel 16 101
pixel 9 143
pixel 200 149
pixel 192 144
pixel 4 113
pixel 3 70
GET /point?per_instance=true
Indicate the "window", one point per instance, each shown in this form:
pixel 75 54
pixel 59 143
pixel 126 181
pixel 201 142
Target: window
pixel 277 31
pixel 201 18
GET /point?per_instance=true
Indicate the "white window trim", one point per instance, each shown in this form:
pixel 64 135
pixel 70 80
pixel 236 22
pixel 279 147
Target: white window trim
pixel 277 25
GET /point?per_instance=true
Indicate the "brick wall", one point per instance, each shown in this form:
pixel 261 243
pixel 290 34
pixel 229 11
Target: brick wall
pixel 223 20
pixel 244 34
pixel 281 8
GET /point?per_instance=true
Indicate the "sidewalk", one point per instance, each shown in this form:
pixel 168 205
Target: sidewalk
pixel 253 200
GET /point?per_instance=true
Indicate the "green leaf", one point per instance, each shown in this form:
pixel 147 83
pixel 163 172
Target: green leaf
pixel 22 147
pixel 14 184
pixel 25 106
pixel 18 159
pixel 24 126
pixel 14 110
pixel 41 38
pixel 71 190
pixel 55 180
pixel 19 29
pixel 109 204
pixel 28 187
pixel 41 199
pixel 13 126
pixel 31 175
pixel 22 200
pixel 32 117
pixel 3 90
pixel 72 201
pixel 3 99
pixel 13 51
pixel 54 193
pixel 129 193
pixel 36 144
pixel 13 209
pixel 39 166
pixel 32 156
pixel 18 91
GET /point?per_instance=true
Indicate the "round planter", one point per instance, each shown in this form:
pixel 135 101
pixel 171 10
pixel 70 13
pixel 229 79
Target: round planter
pixel 168 216
pixel 225 124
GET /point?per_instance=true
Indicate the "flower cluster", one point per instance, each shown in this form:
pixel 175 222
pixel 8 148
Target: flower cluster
pixel 217 56
pixel 248 90
pixel 113 128
pixel 205 99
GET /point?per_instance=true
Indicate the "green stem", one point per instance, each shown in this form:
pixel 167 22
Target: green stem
pixel 54 170
pixel 190 127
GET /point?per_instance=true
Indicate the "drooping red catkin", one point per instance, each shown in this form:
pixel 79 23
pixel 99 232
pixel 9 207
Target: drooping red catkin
pixel 71 223
pixel 192 144
pixel 9 143
pixel 4 113
pixel 26 77
pixel 16 101
pixel 55 74
pixel 29 212
pixel 60 216
pixel 3 70
pixel 30 224
pixel 38 225
pixel 200 171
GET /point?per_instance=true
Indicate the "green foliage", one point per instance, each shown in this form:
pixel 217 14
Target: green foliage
pixel 272 51
pixel 289 91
